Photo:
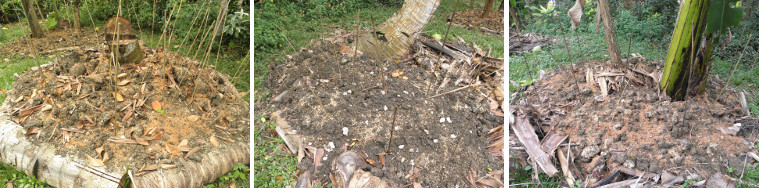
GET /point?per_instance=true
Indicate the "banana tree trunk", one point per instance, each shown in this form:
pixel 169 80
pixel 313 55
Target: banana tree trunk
pixel 31 16
pixel 690 26
pixel 397 34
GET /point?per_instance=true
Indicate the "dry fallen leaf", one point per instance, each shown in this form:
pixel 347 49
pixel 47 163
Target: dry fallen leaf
pixel 94 161
pixel 168 166
pixel 156 105
pixel 149 168
pixel 32 130
pixel 158 136
pixel 214 142
pixel 100 150
pixel 142 141
pixel 173 150
pixel 196 149
pixel 119 98
pixel 106 157
pixel 193 118
pixel 122 75
pixel 124 82
pixel 183 146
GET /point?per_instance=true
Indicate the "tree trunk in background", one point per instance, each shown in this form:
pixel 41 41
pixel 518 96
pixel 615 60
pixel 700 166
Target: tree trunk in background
pixel 500 8
pixel 398 32
pixel 629 4
pixel 32 18
pixel 691 21
pixel 515 17
pixel 77 24
pixel 598 16
pixel 488 7
pixel 611 37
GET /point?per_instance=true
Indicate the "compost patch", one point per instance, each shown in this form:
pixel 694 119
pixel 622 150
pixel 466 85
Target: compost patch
pixel 334 102
pixel 54 41
pixel 633 126
pixel 491 24
pixel 149 116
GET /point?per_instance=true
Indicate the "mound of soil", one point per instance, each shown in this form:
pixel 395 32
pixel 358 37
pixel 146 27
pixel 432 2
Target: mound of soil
pixel 635 127
pixel 165 109
pixel 492 24
pixel 336 103
pixel 54 41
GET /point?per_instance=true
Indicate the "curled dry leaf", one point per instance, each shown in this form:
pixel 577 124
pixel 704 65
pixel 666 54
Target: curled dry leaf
pixel 183 147
pixel 214 142
pixel 106 157
pixel 46 108
pixel 32 130
pixel 156 105
pixel 100 150
pixel 94 161
pixel 158 136
pixel 122 75
pixel 142 141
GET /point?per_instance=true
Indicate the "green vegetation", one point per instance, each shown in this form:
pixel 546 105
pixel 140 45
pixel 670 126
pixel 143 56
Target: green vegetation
pixel 274 167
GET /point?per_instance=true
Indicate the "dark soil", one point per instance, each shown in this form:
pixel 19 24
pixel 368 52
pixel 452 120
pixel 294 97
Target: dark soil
pixel 54 41
pixel 72 104
pixel 315 92
pixel 471 18
pixel 634 126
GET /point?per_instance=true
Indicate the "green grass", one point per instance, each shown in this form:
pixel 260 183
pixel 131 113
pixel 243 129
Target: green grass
pixel 227 63
pixel 274 167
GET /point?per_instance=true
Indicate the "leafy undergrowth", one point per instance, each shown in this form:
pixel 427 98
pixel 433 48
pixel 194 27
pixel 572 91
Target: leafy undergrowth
pixel 274 167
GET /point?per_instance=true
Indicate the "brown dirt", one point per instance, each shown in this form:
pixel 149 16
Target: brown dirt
pixel 471 18
pixel 652 134
pixel 78 112
pixel 53 42
pixel 314 90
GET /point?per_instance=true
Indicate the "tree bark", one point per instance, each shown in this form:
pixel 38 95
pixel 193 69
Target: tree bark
pixel 691 21
pixel 31 16
pixel 398 32
pixel 487 9
pixel 598 16
pixel 515 17
pixel 77 24
pixel 611 37
pixel 500 8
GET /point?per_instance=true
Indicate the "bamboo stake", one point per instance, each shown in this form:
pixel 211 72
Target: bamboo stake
pixel 355 48
pixel 734 67
pixel 440 54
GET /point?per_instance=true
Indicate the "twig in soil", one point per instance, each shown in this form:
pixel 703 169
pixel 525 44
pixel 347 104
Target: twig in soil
pixel 455 90
pixel 734 67
pixel 629 45
pixel 288 42
pixel 440 54
pixel 569 54
pixel 374 30
pixel 392 128
pixel 355 49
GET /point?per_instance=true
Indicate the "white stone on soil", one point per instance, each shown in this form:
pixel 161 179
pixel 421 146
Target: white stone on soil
pixel 448 119
pixel 345 131
pixel 453 136
pixel 401 146
pixel 434 140
pixel 442 119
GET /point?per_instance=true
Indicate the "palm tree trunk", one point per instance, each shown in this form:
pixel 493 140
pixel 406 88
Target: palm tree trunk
pixel 398 32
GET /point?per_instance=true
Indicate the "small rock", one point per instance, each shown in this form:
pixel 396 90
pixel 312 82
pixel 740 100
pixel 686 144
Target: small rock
pixel 442 120
pixel 345 131
pixel 434 140
pixel 590 151
pixel 618 126
pixel 401 146
pixel 629 163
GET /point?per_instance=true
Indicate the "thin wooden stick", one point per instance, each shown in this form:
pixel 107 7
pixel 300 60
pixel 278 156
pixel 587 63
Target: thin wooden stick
pixel 455 90
pixel 355 49
pixel 392 128
pixel 734 67
pixel 440 54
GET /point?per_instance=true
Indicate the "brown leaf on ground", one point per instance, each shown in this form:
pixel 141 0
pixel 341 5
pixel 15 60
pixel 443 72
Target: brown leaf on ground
pixel 106 157
pixel 128 115
pixel 122 140
pixel 149 168
pixel 32 130
pixel 142 141
pixel 156 105
pixel 100 150
pixel 183 147
pixel 192 151
pixel 168 166
pixel 227 140
pixel 66 137
pixel 94 161
pixel 158 136
pixel 124 82
pixel 172 150
pixel 118 96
